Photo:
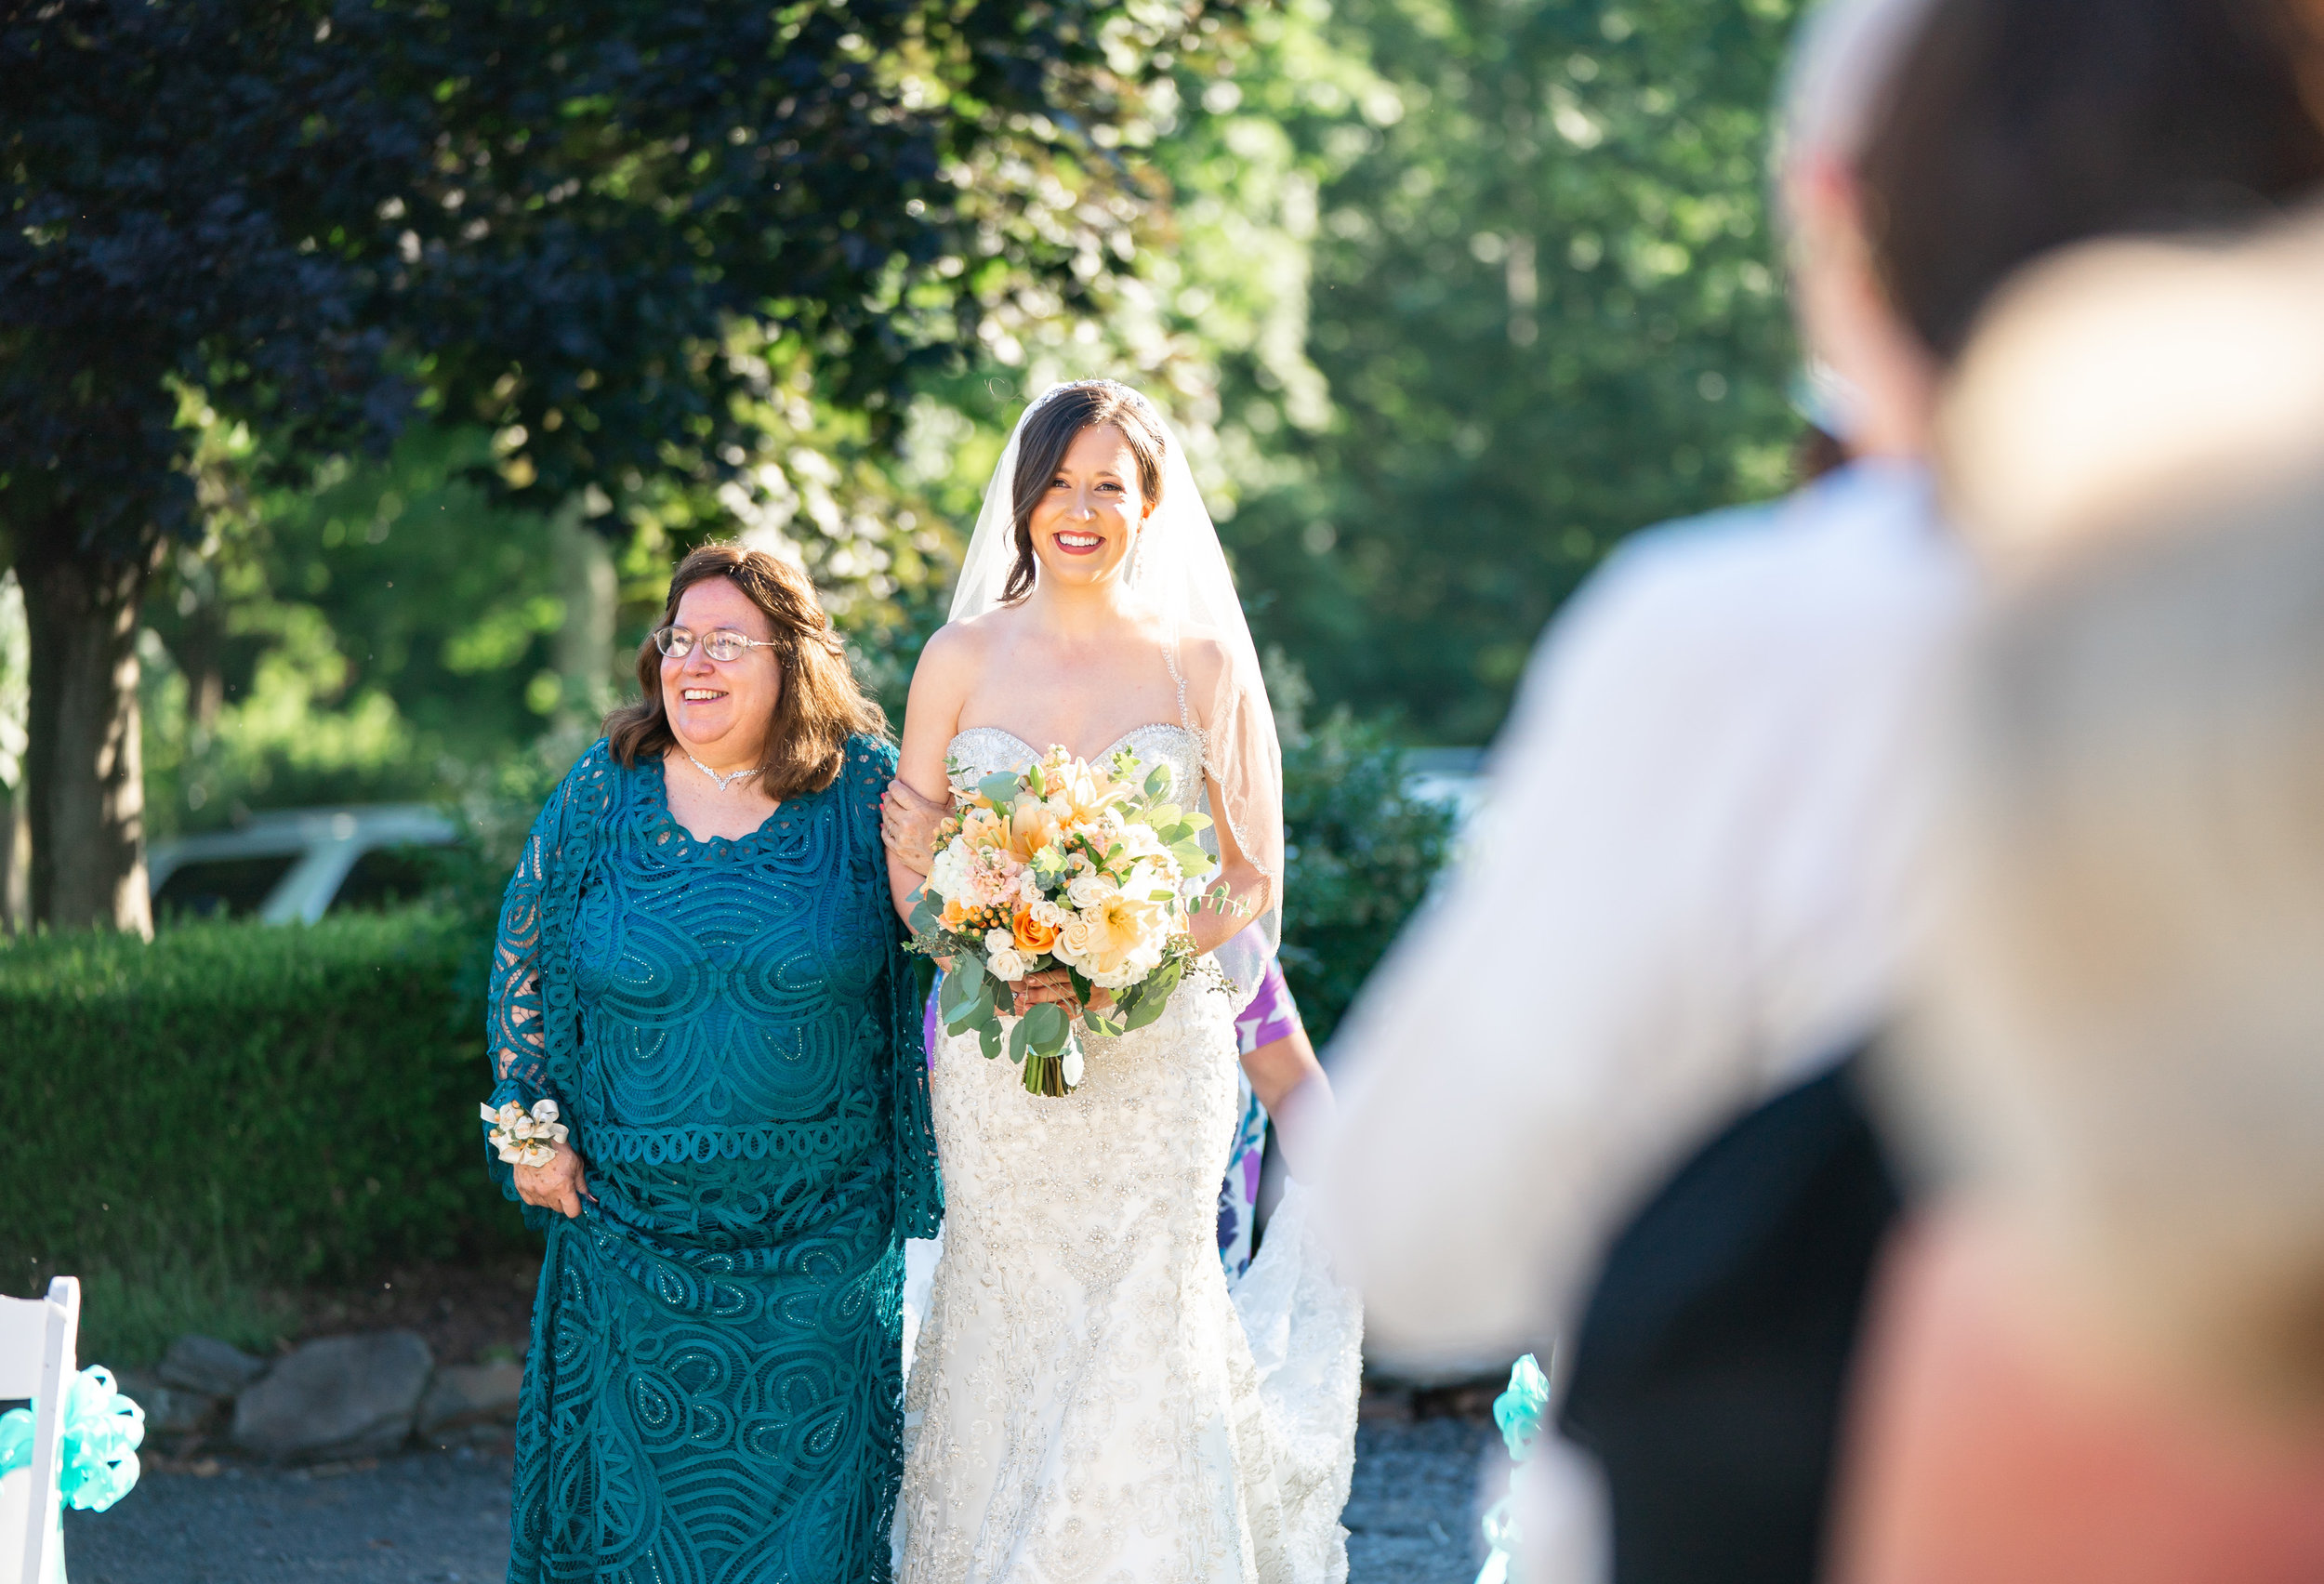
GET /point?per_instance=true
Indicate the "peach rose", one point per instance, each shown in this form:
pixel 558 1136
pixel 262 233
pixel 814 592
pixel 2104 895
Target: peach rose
pixel 1032 935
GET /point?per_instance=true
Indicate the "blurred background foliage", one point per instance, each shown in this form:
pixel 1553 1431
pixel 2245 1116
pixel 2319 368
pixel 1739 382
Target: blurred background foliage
pixel 1447 297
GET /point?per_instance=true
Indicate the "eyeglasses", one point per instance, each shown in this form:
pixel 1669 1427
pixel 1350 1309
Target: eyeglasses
pixel 724 645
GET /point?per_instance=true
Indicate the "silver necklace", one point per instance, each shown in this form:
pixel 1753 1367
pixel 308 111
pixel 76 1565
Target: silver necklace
pixel 724 781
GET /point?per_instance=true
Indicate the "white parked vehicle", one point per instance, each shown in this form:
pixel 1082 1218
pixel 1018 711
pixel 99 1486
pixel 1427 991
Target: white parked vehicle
pixel 296 865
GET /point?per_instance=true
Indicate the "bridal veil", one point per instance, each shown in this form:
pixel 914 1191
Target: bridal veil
pixel 1179 571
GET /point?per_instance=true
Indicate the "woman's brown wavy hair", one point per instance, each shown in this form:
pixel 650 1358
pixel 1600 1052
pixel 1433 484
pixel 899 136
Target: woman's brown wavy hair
pixel 820 706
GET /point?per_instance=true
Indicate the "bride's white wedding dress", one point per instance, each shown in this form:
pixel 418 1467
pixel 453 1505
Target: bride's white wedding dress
pixel 1088 1404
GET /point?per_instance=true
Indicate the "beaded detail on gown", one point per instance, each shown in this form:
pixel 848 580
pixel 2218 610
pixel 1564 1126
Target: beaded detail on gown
pixel 1087 1405
pixel 713 1394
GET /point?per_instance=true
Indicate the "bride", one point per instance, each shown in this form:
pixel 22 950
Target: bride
pixel 1088 1404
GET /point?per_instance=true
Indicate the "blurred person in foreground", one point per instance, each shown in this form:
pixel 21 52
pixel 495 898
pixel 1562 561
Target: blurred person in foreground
pixel 698 963
pixel 1715 765
pixel 2098 1354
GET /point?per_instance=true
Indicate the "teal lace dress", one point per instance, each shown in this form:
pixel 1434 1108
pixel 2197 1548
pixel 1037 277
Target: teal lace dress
pixel 713 1393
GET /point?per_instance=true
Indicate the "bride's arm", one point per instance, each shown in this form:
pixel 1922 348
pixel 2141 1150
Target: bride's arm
pixel 1250 891
pixel 932 715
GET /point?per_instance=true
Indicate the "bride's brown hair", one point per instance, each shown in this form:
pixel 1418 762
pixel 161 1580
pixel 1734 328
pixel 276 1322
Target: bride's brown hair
pixel 819 706
pixel 1050 430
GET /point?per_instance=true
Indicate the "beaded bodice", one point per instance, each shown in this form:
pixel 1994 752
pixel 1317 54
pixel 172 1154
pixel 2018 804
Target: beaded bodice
pixel 984 750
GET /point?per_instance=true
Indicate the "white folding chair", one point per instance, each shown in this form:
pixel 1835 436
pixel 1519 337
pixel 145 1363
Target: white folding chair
pixel 36 1342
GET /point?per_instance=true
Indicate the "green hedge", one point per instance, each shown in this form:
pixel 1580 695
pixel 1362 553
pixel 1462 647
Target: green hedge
pixel 241 1104
pixel 1361 852
pixel 301 1100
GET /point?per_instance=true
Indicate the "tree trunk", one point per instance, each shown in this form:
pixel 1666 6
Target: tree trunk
pixel 583 643
pixel 16 839
pixel 85 769
pixel 16 862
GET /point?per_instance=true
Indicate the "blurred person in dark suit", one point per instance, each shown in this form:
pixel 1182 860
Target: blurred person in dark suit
pixel 2099 1351
pixel 1715 771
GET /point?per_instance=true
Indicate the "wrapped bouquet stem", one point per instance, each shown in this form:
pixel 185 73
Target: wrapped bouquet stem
pixel 1062 865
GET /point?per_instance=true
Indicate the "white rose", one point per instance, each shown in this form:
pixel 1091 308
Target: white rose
pixel 948 876
pixel 999 941
pixel 1005 964
pixel 1088 890
pixel 1049 913
pixel 1074 940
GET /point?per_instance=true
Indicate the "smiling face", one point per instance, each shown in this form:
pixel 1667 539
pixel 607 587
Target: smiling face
pixel 1084 523
pixel 719 710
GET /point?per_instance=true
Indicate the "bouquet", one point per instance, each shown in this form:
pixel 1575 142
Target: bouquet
pixel 1069 865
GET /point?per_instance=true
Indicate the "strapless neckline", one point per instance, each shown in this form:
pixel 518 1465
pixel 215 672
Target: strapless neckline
pixel 1106 753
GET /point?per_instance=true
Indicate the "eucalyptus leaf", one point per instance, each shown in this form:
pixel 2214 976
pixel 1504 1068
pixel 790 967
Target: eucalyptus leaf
pixel 988 1039
pixel 955 996
pixel 978 1011
pixel 1148 1008
pixel 1158 781
pixel 970 968
pixel 924 913
pixel 1019 1037
pixel 1044 1028
pixel 1000 788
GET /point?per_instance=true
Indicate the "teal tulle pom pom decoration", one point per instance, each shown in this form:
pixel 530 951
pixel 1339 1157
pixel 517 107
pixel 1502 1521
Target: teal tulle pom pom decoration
pixel 1520 1412
pixel 102 1433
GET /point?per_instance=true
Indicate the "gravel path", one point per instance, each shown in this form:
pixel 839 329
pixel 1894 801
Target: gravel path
pixel 442 1518
pixel 1412 1512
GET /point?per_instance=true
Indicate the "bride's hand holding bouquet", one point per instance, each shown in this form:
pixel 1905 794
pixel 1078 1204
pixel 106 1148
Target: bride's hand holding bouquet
pixel 1066 888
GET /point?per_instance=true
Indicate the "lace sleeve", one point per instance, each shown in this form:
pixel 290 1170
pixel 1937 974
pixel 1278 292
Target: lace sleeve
pixel 919 1190
pixel 515 1029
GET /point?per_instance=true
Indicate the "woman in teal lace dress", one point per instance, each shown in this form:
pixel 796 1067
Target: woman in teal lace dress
pixel 698 960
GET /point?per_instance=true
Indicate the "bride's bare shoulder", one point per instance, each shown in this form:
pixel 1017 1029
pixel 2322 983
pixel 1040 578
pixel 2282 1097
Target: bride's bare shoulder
pixel 957 648
pixel 1202 656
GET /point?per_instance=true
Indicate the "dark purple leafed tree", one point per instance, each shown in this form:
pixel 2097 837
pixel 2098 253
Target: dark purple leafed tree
pixel 587 225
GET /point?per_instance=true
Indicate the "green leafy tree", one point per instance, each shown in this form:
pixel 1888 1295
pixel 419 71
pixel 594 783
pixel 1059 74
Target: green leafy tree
pixel 363 637
pixel 595 228
pixel 1363 852
pixel 1547 307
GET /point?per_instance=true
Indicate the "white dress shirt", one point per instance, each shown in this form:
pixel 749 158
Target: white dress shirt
pixel 1692 883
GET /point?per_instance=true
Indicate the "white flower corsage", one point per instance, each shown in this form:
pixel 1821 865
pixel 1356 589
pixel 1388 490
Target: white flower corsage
pixel 525 1140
